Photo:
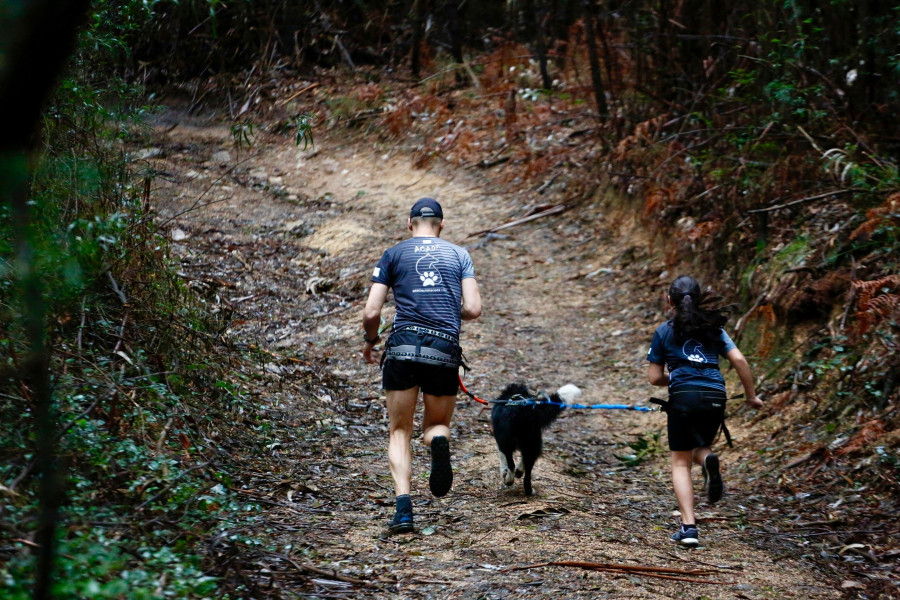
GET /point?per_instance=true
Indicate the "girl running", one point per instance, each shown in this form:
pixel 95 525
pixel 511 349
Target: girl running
pixel 689 346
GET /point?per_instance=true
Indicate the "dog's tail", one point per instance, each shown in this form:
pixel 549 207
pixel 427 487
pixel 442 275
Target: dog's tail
pixel 569 393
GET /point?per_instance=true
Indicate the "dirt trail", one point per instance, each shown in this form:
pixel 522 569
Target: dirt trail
pixel 287 247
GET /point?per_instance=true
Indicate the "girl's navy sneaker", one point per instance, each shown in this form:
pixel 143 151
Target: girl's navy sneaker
pixel 687 536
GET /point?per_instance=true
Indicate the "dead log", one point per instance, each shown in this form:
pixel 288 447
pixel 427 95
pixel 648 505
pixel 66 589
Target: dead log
pixel 550 211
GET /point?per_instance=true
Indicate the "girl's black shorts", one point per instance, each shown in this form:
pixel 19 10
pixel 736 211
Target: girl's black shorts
pixel 430 379
pixel 684 429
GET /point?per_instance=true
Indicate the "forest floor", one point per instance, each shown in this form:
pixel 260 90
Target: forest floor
pixel 284 239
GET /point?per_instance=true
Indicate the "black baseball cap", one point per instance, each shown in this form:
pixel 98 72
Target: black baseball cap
pixel 426 207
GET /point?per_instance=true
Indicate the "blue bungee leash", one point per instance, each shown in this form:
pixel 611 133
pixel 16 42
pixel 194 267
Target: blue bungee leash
pixel 545 399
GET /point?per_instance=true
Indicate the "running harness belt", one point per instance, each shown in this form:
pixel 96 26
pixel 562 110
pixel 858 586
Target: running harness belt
pixel 423 345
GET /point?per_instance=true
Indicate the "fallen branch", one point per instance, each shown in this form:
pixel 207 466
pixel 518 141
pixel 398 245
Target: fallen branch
pixel 644 571
pixel 550 211
pixel 829 523
pixel 465 65
pixel 329 313
pixel 616 566
pixel 172 483
pixel 337 36
pixel 409 185
pixel 801 200
pixel 278 356
pixel 362 116
pixel 472 75
pixel 245 298
pixel 332 574
pixel 117 289
pixel 487 164
pixel 295 95
pixel 817 453
pixel 820 533
pixel 703 193
pixel 677 578
pixel 547 184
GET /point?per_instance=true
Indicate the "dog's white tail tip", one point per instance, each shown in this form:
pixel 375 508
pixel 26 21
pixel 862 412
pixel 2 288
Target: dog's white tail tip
pixel 569 393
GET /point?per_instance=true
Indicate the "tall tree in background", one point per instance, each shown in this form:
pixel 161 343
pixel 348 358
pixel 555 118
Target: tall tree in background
pixel 419 10
pixel 452 16
pixel 596 79
pixel 36 39
pixel 535 16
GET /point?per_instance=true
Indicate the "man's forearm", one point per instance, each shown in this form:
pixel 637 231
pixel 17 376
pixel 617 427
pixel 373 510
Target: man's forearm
pixel 370 326
pixel 471 300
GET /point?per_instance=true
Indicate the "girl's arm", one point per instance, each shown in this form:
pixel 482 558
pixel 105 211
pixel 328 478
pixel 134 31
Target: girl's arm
pixel 656 375
pixel 740 364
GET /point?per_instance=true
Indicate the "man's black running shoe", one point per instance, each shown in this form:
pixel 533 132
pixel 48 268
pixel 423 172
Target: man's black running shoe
pixel 402 523
pixel 403 518
pixel 441 478
pixel 713 478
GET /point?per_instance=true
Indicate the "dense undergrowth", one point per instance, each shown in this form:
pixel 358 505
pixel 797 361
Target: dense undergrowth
pixel 136 364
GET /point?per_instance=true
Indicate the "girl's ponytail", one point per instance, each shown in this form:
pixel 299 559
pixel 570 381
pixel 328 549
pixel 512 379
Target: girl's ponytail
pixel 694 318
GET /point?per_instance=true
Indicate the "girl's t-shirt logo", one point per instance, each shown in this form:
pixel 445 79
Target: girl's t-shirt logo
pixel 693 351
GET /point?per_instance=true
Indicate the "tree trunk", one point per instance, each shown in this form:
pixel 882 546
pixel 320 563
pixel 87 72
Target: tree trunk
pixel 608 59
pixel 451 10
pixel 564 12
pixel 535 18
pixel 419 7
pixel 46 36
pixel 599 94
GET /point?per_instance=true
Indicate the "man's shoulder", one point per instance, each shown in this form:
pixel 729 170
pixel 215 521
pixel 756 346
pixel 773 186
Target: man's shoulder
pixel 455 248
pixel 398 247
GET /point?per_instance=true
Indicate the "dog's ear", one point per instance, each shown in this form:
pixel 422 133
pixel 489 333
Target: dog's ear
pixel 569 393
pixel 514 389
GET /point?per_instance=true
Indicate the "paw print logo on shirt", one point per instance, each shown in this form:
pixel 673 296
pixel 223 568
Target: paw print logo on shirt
pixel 428 272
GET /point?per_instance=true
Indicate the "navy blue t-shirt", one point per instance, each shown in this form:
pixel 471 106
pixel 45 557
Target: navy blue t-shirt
pixel 666 349
pixel 426 276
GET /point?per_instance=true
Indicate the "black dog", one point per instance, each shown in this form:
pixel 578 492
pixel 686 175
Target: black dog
pixel 519 427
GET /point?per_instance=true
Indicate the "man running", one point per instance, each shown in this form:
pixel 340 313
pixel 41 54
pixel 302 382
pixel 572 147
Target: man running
pixel 434 288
